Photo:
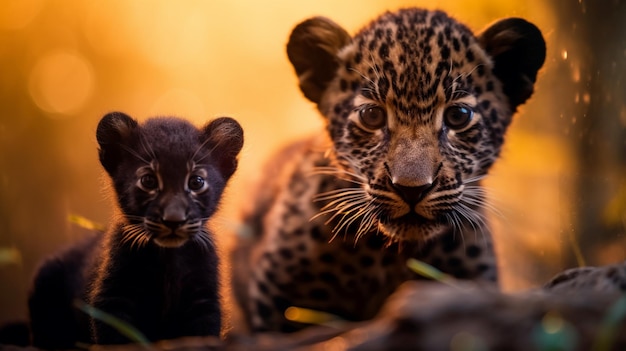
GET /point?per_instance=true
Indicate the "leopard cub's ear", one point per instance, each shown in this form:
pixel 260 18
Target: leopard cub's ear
pixel 112 133
pixel 224 140
pixel 312 49
pixel 518 51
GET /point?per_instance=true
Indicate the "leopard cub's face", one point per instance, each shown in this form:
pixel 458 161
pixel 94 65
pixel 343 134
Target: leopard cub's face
pixel 417 107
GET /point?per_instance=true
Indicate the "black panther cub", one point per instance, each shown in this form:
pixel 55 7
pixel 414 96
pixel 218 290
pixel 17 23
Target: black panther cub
pixel 156 267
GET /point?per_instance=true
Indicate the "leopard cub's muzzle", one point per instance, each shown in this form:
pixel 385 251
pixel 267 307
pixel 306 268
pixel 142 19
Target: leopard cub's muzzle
pixel 412 167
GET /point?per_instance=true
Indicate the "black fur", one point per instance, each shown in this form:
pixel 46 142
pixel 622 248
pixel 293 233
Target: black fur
pixel 54 322
pixel 15 333
pixel 156 267
pixel 518 51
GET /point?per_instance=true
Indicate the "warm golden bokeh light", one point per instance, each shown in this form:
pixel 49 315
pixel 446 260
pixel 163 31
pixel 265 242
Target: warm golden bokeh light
pixel 17 14
pixel 61 82
pixel 166 35
pixel 178 102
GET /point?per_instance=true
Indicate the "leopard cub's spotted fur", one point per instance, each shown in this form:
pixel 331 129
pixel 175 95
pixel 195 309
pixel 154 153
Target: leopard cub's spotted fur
pixel 416 108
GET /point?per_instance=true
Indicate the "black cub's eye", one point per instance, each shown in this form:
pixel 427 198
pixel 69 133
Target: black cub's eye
pixel 458 116
pixel 196 183
pixel 373 117
pixel 148 182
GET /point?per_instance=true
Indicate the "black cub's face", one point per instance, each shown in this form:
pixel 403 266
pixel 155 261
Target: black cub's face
pixel 167 174
pixel 417 108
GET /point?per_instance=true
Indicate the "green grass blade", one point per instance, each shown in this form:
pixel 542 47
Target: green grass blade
pixel 425 270
pixel 85 223
pixel 309 316
pixel 124 328
pixel 430 272
pixel 10 255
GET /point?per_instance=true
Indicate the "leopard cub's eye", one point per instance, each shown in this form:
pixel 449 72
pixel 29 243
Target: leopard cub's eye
pixel 458 116
pixel 148 182
pixel 196 183
pixel 373 117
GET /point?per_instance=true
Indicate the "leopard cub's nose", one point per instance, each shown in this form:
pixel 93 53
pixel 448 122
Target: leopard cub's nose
pixel 412 195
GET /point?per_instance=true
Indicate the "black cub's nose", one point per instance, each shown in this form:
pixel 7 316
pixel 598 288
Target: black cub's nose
pixel 412 194
pixel 174 216
pixel 173 224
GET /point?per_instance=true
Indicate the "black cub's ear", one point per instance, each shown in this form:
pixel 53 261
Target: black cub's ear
pixel 112 133
pixel 224 138
pixel 312 50
pixel 518 51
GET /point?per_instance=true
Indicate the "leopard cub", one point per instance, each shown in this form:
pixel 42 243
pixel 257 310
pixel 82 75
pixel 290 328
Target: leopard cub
pixel 416 109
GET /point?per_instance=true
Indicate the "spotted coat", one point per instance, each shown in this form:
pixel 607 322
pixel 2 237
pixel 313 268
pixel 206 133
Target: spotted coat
pixel 416 108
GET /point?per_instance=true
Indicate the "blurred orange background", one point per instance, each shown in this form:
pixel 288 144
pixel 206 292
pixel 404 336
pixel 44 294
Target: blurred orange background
pixel 64 64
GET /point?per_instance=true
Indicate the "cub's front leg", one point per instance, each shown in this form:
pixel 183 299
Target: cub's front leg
pixel 201 312
pixel 466 253
pixel 110 295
